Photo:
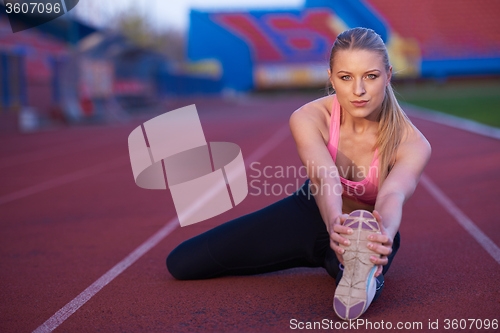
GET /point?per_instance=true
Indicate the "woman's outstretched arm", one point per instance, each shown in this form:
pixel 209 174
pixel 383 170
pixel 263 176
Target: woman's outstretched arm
pixel 321 170
pixel 411 159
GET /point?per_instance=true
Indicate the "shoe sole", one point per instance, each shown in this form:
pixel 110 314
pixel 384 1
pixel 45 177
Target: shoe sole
pixel 351 295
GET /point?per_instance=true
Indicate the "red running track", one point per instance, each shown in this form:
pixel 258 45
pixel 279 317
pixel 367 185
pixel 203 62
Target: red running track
pixel 70 211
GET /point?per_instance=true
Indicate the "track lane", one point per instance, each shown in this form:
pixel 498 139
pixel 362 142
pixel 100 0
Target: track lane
pixel 465 167
pixel 41 228
pixel 429 253
pixel 438 257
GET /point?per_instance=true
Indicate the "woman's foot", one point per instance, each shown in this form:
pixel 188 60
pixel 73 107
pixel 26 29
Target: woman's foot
pixel 357 287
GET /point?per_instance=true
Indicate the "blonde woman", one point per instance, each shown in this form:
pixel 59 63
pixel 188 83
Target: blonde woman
pixel 363 158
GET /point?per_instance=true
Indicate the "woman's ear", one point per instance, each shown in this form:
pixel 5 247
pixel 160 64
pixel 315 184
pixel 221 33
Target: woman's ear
pixel 389 76
pixel 330 78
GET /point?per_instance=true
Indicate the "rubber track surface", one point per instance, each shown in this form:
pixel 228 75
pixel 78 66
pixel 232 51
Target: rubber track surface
pixel 70 211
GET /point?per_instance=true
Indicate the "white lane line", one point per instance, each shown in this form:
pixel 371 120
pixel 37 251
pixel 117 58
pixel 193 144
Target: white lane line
pixel 60 316
pixel 65 312
pixel 63 180
pixel 270 144
pixel 453 121
pixel 461 218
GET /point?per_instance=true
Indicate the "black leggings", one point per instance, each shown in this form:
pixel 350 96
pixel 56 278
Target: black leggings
pixel 289 233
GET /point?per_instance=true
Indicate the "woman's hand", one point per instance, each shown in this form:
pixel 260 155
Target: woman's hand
pixel 381 244
pixel 336 230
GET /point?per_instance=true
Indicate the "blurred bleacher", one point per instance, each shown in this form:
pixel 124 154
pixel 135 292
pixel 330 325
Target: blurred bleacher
pixel 65 71
pixel 269 49
pixel 455 37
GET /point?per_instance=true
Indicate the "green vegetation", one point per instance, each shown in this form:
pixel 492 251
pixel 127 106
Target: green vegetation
pixel 474 99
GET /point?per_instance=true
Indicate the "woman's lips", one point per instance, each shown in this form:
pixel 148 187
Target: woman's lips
pixel 359 103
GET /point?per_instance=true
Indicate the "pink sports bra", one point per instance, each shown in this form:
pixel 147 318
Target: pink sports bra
pixel 366 190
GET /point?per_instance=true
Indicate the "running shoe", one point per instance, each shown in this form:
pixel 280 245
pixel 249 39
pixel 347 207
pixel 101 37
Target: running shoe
pixel 357 287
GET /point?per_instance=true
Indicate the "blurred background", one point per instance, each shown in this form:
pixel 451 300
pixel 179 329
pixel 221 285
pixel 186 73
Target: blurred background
pixel 106 61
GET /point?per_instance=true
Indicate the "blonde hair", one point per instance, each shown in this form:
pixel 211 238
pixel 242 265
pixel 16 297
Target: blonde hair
pixel 394 124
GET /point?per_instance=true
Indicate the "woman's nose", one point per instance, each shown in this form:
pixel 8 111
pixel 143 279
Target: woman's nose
pixel 359 88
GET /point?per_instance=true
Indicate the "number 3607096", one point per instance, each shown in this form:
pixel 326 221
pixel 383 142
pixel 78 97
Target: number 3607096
pixel 32 8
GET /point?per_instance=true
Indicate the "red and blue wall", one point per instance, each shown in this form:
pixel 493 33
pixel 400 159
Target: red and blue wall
pixel 265 49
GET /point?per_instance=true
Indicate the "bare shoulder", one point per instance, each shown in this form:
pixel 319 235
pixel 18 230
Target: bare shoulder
pixel 415 144
pixel 313 114
pixel 309 127
pixel 315 108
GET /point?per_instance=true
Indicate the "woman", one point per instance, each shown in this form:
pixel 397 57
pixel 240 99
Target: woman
pixel 358 140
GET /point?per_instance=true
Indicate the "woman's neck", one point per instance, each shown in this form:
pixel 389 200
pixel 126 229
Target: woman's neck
pixel 358 125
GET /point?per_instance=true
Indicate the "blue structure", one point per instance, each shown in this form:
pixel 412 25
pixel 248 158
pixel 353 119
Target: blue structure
pixel 207 39
pixel 355 13
pixel 266 49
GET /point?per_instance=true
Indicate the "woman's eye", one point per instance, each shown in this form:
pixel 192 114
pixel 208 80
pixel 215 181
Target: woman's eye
pixel 372 76
pixel 345 77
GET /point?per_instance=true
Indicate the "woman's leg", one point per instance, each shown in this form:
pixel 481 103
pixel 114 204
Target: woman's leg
pixel 289 233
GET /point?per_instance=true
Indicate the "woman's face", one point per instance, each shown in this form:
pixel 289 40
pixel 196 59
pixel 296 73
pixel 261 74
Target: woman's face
pixel 359 78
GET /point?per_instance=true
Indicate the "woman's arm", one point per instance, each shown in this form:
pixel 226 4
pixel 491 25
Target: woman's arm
pixel 412 157
pixel 321 170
